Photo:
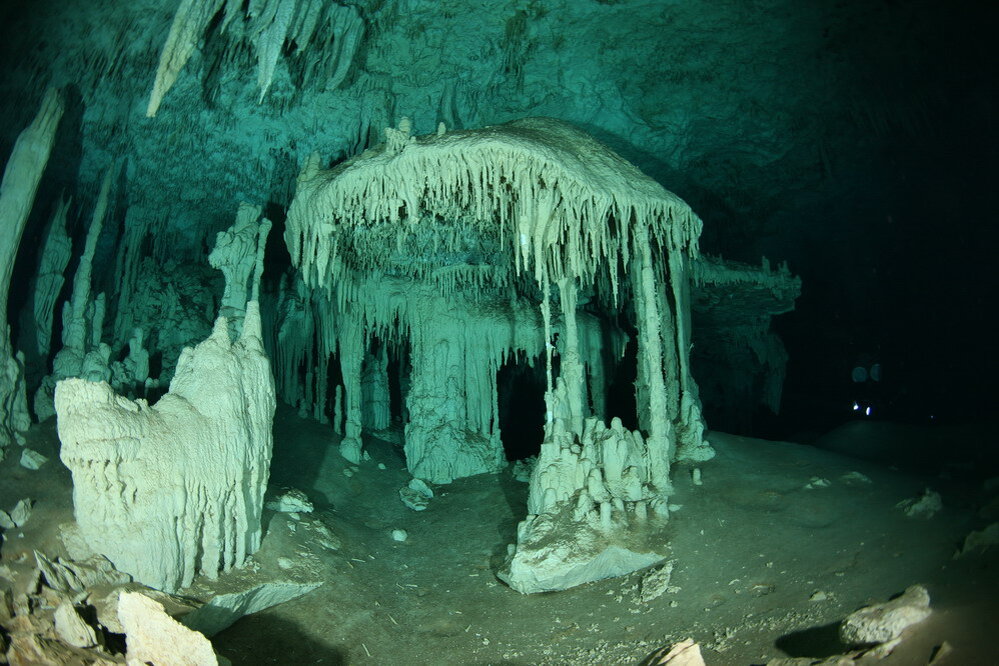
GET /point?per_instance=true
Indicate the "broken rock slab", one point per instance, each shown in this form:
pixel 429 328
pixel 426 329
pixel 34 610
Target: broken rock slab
pixel 222 611
pixel 656 581
pixel 77 576
pixel 154 637
pixel 835 660
pixel 105 599
pixel 881 623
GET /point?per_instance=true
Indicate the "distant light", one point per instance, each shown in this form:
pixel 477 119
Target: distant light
pixel 856 407
pixel 867 411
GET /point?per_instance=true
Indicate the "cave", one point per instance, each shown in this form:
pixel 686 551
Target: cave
pixel 531 332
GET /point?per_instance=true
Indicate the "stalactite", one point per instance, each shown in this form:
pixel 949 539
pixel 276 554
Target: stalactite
pixel 189 23
pixel 269 27
pixel 269 39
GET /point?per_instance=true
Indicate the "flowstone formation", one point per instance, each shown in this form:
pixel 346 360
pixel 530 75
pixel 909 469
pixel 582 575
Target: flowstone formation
pixel 175 489
pixel 524 240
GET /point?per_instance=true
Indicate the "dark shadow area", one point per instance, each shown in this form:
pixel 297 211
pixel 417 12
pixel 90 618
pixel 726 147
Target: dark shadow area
pixel 515 495
pixel 814 642
pixel 621 401
pixel 296 463
pixel 286 643
pixel 521 398
pixel 277 261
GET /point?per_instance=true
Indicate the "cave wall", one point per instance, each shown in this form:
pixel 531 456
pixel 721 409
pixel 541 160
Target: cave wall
pixel 819 132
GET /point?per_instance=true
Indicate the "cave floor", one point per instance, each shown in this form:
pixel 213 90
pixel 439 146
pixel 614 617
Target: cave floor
pixel 751 546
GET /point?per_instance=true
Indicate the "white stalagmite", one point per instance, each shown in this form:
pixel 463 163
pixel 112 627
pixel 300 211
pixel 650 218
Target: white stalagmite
pixel 472 225
pixel 173 490
pixel 21 176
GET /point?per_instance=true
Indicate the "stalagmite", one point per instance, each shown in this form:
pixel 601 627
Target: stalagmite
pixel 173 490
pixel 21 176
pixel 130 375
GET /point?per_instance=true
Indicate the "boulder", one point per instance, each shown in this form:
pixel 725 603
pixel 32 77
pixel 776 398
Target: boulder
pixel 881 623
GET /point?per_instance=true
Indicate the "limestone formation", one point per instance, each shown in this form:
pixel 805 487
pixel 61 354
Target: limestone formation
pixel 740 360
pixel 176 489
pixel 22 174
pixel 516 241
pixel 174 305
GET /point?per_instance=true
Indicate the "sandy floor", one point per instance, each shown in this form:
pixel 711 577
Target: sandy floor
pixel 752 546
